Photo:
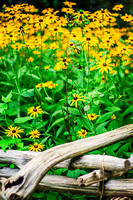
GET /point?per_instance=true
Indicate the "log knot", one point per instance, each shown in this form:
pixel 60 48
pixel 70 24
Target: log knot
pixel 14 183
pixel 15 197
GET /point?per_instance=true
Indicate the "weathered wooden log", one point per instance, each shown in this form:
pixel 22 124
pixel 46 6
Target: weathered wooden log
pixel 23 183
pixel 102 174
pixel 69 185
pixel 110 163
pixel 92 177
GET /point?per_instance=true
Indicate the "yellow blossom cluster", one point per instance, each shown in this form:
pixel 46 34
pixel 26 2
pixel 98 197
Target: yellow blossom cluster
pixel 23 28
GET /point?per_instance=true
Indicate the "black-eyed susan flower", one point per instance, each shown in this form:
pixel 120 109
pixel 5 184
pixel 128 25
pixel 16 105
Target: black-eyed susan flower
pixel 92 116
pixel 49 84
pixel 30 59
pixel 77 98
pixel 14 131
pixel 34 134
pixel 47 67
pixel 34 111
pixel 82 133
pixel 36 147
pixel 60 66
pixel 118 7
pixel 39 85
pixel 127 18
pixel 69 4
pixel 104 65
pixel 113 117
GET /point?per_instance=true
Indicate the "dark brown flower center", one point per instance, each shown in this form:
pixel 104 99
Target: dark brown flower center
pixel 36 146
pixel 64 60
pixel 88 38
pixel 40 20
pixel 92 116
pixel 35 110
pixel 55 29
pixel 13 131
pixel 81 12
pixel 104 64
pixel 83 132
pixel 75 98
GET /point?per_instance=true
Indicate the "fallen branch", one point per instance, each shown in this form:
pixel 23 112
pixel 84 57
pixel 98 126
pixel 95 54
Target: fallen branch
pixel 23 183
pixel 110 163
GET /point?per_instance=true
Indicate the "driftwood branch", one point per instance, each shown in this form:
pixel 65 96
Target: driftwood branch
pixel 23 183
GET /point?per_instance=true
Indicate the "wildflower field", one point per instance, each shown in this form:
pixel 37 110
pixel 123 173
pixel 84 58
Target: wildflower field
pixel 64 75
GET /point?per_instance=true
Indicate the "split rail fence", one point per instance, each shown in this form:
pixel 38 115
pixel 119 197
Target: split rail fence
pixel 21 182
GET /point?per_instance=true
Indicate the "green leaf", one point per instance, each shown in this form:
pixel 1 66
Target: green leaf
pixel 44 140
pixel 39 195
pixel 6 83
pixel 34 76
pixel 7 98
pixel 3 107
pixel 113 109
pixel 20 145
pixel 60 85
pixel 21 71
pixel 56 113
pixel 51 196
pixel 74 111
pixel 127 111
pixel 13 108
pixel 58 121
pixel 75 173
pixel 41 124
pixel 22 119
pixel 123 149
pixel 100 128
pixel 28 93
pixel 5 143
pixel 113 125
pixel 112 148
pixel 104 117
pixel 59 131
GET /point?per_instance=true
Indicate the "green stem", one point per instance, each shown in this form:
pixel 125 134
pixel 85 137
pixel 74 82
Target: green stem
pixel 68 127
pixel 16 142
